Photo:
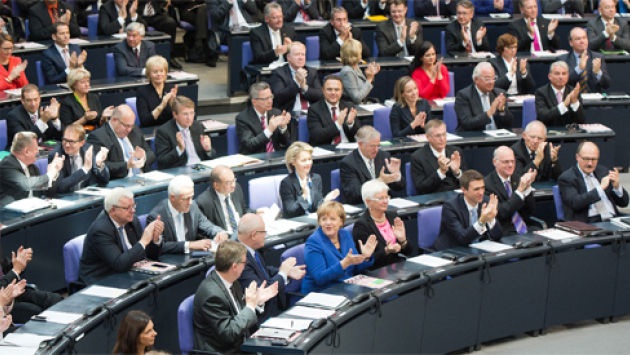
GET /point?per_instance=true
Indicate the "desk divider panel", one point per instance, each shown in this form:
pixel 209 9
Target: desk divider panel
pixel 622 289
pixel 400 329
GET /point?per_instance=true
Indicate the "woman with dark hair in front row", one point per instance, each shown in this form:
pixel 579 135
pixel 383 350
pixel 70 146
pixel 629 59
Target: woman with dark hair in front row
pixel 135 334
pixel 430 74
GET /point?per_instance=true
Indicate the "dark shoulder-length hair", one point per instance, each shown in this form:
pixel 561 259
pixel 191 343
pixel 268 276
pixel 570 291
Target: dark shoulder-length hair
pixel 420 52
pixel 132 325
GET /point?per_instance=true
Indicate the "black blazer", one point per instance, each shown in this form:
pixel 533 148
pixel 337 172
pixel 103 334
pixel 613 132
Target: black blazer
pixel 470 113
pixel 166 144
pixel 14 185
pixel 455 228
pixel 53 65
pixel 125 59
pixel 364 227
pixel 219 11
pixel 576 200
pixel 546 171
pixel 400 118
pixel 518 29
pixel 597 40
pixel 105 137
pixel 329 49
pixel 147 99
pixel 285 89
pixel 210 205
pixel 7 269
pixel 425 8
pixel 103 253
pixel 453 38
pixel 354 173
pixel 67 180
pixel 261 42
pixel 108 19
pixel 40 24
pixel 158 6
pixel 18 120
pixel 524 86
pixel 291 9
pixel 293 203
pixel 424 167
pixel 571 6
pixel 547 108
pixel 509 205
pixel 387 40
pixel 322 129
pixel 70 110
pixel 251 135
pixel 356 11
pixel 593 84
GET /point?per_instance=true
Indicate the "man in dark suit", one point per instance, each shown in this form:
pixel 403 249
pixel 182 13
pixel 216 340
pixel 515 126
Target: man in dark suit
pixel 61 57
pixel 533 152
pixel 82 166
pixel 465 35
pixel 222 316
pixel 469 217
pixel 606 32
pixel 557 103
pixel 481 106
pixel 114 16
pixel 29 116
pixel 128 151
pixel 271 40
pixel 563 7
pixel 332 36
pixel 590 192
pixel 260 127
pixel 446 8
pixel 368 163
pixel 332 121
pixel 181 141
pixel 436 167
pixel 115 240
pixel 131 55
pixel 398 36
pixel 300 10
pixel 45 14
pixel 585 67
pixel 361 9
pixel 154 14
pixel 534 33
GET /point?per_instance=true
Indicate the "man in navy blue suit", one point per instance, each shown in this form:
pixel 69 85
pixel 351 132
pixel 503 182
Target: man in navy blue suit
pixel 586 67
pixel 61 57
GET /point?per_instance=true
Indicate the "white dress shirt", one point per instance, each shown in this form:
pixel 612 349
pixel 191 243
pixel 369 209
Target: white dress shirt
pixel 252 252
pixel 481 229
pixel 42 125
pixel 550 36
pixel 592 209
pixel 523 194
pixel 276 40
pixel 267 132
pixel 344 138
pixel 121 20
pixel 437 155
pixel 563 109
pixel 180 228
pixel 122 148
pixel 471 37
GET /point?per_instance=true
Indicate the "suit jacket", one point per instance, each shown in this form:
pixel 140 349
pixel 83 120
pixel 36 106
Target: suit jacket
pixel 322 129
pixel 105 137
pixel 518 29
pixel 70 110
pixel 426 8
pixel 108 19
pixel 354 173
pixel 470 113
pixel 14 185
pixel 166 145
pixel 593 84
pixel 523 85
pixel 365 226
pixel 509 205
pixel 147 99
pixel 7 270
pixel 40 23
pixel 197 227
pixel 210 205
pixel 125 59
pixel 285 89
pixel 260 40
pixel 424 167
pixel 356 11
pixel 596 39
pixel 251 135
pixel 356 87
pixel 570 7
pixel 453 38
pixel 293 203
pixel 455 228
pixel 547 108
pixel 219 11
pixel 53 65
pixel 217 325
pixel 483 8
pixel 18 120
pixel 387 40
pixel 291 9
pixel 103 253
pixel 546 170
pixel 330 49
pixel 4 73
pixel 576 200
pixel 158 6
pixel 400 118
pixel 66 180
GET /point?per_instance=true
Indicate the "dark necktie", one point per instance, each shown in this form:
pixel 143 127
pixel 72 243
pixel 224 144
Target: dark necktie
pixel 334 117
pixel 230 212
pixel 55 14
pixel 469 47
pixel 121 234
pixel 261 266
pixel 532 155
pixel 238 303
pixel 135 50
pixel 584 79
pixel 519 225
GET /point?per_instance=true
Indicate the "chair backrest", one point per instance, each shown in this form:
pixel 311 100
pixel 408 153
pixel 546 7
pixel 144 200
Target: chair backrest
pixel 72 251
pixel 92 22
pixel 152 144
pixel 375 49
pixel 335 183
pixel 451 81
pixel 15 9
pixel 110 65
pixel 27 31
pixel 41 78
pixel 294 286
pixel 557 201
pixel 312 48
pixel 210 270
pixel 303 134
pixel 411 13
pixel 411 188
pixel 443 43
pixel 143 220
pixel 131 102
pixel 429 226
pixel 381 122
pixel 42 164
pixel 185 325
pixel 264 191
pixel 450 117
pixel 349 228
pixel 529 112
pixel 3 134
pixel 232 138
pixel 247 55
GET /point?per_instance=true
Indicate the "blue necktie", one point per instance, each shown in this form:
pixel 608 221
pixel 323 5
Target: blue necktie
pixel 128 154
pixel 474 220
pixel 519 225
pixel 121 233
pixel 260 264
pixel 230 213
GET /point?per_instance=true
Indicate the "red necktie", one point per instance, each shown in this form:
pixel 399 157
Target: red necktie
pixel 269 147
pixel 334 116
pixel 55 14
pixel 304 15
pixel 303 102
pixel 469 47
pixel 149 9
pixel 135 50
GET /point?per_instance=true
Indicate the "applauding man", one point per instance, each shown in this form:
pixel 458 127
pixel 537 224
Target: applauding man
pixel 605 32
pixel 61 57
pixel 398 36
pixel 334 34
pixel 533 152
pixel 271 40
pixel 585 67
pixel 466 35
pixel 557 103
pixel 534 33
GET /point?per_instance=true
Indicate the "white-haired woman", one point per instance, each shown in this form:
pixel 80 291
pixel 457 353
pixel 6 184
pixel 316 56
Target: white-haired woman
pixel 82 107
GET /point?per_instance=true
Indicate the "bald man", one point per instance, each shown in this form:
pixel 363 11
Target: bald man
pixel 585 66
pixel 534 152
pixel 606 32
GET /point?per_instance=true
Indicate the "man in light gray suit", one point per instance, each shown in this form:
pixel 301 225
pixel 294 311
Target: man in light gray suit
pixel 606 32
pixel 131 55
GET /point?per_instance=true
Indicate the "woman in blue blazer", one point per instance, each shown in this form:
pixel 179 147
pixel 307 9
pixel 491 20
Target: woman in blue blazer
pixel 329 252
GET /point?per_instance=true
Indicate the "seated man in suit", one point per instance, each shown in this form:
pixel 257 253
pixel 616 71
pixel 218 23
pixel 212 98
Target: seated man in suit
pixel 442 8
pixel 481 106
pixel 514 192
pixel 557 103
pixel 469 217
pixel 534 33
pixel 362 9
pixel 606 32
pixel 114 16
pixel 295 86
pixel 29 116
pixel 19 176
pixel 332 36
pixel 185 227
pixel 115 240
pixel 129 152
pixel 436 167
pixel 483 8
pixel 563 7
pixel 260 127
pixel 154 14
pixel 61 57
pixel 398 36
pixel 332 121
pixel 585 66
pixel 533 152
pixel 366 163
pixel 465 35
pixel 82 166
pixel 251 232
pixel 181 141
pixel 43 15
pixel 299 10
pixel 271 40
pixel 131 55
pixel 222 316
pixel 590 192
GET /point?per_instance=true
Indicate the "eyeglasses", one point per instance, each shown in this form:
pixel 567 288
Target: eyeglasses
pixel 465 13
pixel 261 232
pixel 512 47
pixel 229 183
pixel 127 208
pixel 64 141
pixel 589 159
pixel 7 49
pixel 127 126
pixel 382 199
pixel 507 162
pixel 489 79
pixel 264 98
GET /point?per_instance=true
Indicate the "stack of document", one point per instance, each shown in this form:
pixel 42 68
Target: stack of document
pixel 429 260
pixel 321 152
pixel 78 41
pixel 61 317
pixel 595 128
pixel 323 300
pixel 499 133
pixel 25 341
pixel 316 23
pixel 120 35
pixel 520 98
pixel 592 96
pixel 440 102
pixel 29 45
pixel 349 209
pixel 310 312
pixel 482 55
pixel 104 292
pixel 556 234
pixel 422 138
pixel 490 246
pixel 182 75
pixel 402 203
pixel 157 176
pixel 435 18
pixel 231 161
pixel 502 15
pixel 547 54
pixel 348 146
pixel 14 92
pixel 27 205
pixel 282 226
pixel 287 323
pixel 212 124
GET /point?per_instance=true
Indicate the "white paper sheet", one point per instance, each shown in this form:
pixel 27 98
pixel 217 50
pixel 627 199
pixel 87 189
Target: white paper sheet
pixel 348 145
pixel 29 45
pixel 14 92
pixel 25 340
pixel 429 260
pixel 287 323
pixel 323 300
pixel 316 23
pixel 556 234
pixel 230 161
pixel 402 203
pixel 499 133
pixel 120 35
pixel 321 152
pixel 157 176
pixel 351 209
pixel 440 102
pixel 103 291
pixel 310 312
pixel 15 350
pixel 490 246
pixel 94 191
pixel 60 317
pixel 27 205
pixel 371 107
pixel 78 41
pixel 421 138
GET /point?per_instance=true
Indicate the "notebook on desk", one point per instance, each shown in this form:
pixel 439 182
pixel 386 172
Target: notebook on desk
pixel 576 227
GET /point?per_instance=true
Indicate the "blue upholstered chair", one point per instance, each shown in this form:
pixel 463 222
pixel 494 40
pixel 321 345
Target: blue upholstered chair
pixel 450 117
pixel 381 122
pixel 72 251
pixel 264 191
pixel 232 138
pixel 411 188
pixel 131 102
pixel 429 227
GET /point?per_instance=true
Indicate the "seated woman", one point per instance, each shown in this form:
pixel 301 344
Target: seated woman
pixel 512 74
pixel 430 74
pixel 388 228
pixel 329 252
pixel 410 111
pixel 153 101
pixel 135 334
pixel 301 190
pixel 82 107
pixel 356 85
pixel 12 70
pixel 8 294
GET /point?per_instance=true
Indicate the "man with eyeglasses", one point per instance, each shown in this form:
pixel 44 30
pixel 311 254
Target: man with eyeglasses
pixel 129 153
pixel 534 33
pixel 558 103
pixel 590 192
pixel 606 32
pixel 587 68
pixel 465 34
pixel 115 240
pixel 533 152
pixel 481 106
pixel 270 41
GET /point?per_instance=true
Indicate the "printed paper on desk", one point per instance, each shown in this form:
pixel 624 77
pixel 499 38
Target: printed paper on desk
pixel 324 300
pixel 78 41
pixel 25 340
pixel 348 145
pixel 316 23
pixel 120 35
pixel 60 317
pixel 440 102
pixel 429 260
pixel 490 246
pixel 282 226
pixel 556 234
pixel 499 133
pixel 250 25
pixel 321 152
pixel 371 107
pixel 182 75
pixel 14 92
pixel 30 45
pixel 103 291
pixel 156 176
pixel 410 59
pixel 351 209
pixel 27 205
pixel 402 203
pixel 94 191
pixel 435 18
pixel 231 161
pixel 310 312
pixel 287 323
pixel 16 350
pixel 422 138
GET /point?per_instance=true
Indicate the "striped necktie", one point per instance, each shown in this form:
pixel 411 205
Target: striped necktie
pixel 519 225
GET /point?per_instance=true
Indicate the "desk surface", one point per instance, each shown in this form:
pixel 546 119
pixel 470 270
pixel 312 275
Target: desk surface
pixel 95 41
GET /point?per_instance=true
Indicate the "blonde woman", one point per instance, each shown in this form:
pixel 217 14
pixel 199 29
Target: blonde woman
pixel 356 84
pixel 154 100
pixel 82 107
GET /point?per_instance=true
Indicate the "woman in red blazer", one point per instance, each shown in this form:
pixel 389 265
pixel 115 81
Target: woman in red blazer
pixel 12 69
pixel 430 75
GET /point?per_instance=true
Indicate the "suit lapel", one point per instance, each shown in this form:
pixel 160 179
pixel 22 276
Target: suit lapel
pixel 500 188
pixel 362 167
pixel 57 56
pixel 252 261
pixel 190 232
pixel 218 208
pixel 226 292
pixel 431 159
